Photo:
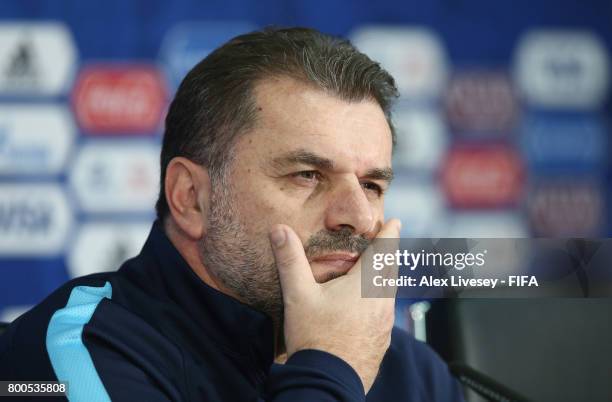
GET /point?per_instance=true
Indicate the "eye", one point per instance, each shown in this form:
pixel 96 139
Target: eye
pixel 370 186
pixel 308 176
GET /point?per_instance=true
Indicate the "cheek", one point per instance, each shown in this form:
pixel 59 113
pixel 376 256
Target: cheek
pixel 260 207
pixel 259 213
pixel 262 202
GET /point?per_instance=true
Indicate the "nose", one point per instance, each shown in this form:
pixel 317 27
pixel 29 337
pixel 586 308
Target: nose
pixel 349 207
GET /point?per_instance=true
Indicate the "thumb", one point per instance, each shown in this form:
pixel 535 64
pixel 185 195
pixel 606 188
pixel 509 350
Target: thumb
pixel 294 271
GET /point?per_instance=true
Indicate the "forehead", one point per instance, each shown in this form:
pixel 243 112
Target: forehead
pixel 294 115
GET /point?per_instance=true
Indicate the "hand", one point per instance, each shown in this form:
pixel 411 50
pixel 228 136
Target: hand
pixel 332 316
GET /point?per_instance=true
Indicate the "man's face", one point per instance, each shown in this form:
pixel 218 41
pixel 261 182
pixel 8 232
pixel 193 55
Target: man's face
pixel 312 161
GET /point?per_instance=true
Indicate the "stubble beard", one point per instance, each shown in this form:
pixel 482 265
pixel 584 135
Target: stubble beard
pixel 243 260
pixel 243 263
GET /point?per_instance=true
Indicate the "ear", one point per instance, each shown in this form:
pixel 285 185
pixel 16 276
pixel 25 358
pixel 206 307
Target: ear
pixel 187 188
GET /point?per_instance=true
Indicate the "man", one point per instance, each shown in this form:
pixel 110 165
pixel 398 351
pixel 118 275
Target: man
pixel 275 161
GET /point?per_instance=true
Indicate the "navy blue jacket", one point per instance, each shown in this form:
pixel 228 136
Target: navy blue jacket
pixel 153 331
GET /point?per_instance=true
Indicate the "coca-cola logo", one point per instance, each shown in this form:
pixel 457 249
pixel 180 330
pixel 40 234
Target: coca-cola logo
pixel 482 176
pixel 111 99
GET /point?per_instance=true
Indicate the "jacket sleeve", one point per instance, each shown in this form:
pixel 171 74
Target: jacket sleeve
pixel 314 375
pixel 142 365
pixel 125 378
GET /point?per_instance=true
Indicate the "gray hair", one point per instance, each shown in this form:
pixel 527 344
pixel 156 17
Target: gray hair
pixel 214 102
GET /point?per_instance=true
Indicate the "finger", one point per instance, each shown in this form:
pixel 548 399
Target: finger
pixel 386 243
pixel 294 271
pixel 389 243
pixel 390 230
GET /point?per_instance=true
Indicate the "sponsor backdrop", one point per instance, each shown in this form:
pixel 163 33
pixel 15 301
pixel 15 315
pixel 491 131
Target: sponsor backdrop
pixel 503 118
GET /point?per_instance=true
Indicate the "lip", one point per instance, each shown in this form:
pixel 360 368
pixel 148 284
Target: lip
pixel 336 257
pixel 338 262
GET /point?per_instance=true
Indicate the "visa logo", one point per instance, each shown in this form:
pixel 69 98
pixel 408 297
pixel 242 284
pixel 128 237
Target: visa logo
pixel 18 217
pixel 35 220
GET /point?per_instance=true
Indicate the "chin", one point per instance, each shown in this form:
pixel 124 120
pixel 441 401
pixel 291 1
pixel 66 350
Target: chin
pixel 326 271
pixel 328 276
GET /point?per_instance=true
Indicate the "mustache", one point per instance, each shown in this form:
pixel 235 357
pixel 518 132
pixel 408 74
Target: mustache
pixel 340 240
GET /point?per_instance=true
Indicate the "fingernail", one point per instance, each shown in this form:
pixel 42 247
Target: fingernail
pixel 277 237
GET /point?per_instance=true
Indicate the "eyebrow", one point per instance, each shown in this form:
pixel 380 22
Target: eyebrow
pixel 384 174
pixel 309 158
pixel 304 157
